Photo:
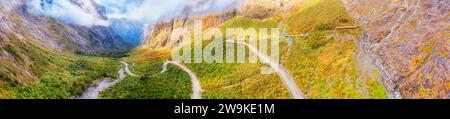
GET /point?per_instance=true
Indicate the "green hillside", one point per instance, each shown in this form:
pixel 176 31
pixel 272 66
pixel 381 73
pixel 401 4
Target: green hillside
pixel 57 75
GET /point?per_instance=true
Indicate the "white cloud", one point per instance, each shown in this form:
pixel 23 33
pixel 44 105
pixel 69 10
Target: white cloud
pixel 65 10
pixel 141 11
pixel 152 10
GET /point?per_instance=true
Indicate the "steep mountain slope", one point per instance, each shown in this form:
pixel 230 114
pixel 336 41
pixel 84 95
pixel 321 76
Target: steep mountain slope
pixel 408 41
pixel 38 54
pixel 54 34
pixel 159 36
pixel 29 70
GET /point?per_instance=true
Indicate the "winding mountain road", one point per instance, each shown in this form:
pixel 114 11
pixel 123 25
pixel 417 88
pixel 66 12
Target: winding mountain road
pixel 127 69
pixel 94 90
pixel 196 88
pixel 287 79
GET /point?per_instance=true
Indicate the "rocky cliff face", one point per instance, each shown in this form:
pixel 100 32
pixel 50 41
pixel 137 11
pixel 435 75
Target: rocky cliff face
pixel 19 21
pixel 409 42
pixel 159 36
pixel 258 8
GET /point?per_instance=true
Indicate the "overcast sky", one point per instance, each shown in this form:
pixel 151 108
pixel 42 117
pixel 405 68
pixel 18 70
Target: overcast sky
pixel 141 11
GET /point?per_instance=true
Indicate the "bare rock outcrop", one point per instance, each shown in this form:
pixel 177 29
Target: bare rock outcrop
pixel 409 41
